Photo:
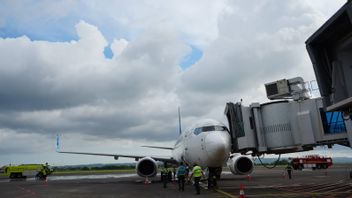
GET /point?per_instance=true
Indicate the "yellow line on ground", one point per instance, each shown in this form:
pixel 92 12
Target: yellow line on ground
pixel 225 193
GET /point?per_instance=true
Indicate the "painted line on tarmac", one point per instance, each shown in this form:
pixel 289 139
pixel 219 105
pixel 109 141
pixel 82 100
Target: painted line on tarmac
pixel 225 193
pixel 205 186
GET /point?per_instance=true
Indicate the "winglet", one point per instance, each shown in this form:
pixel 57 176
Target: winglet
pixel 159 147
pixel 57 143
pixel 179 121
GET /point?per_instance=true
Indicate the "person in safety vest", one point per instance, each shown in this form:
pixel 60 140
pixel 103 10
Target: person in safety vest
pixel 197 173
pixel 164 175
pixel 181 173
pixel 289 171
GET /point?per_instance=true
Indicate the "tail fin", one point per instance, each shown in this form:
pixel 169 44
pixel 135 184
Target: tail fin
pixel 179 121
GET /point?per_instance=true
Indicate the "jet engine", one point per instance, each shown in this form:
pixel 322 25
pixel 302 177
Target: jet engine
pixel 146 167
pixel 240 165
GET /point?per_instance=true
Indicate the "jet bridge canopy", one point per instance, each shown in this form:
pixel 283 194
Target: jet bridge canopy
pixel 330 49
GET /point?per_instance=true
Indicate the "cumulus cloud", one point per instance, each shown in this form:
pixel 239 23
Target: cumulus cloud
pixel 118 46
pixel 71 86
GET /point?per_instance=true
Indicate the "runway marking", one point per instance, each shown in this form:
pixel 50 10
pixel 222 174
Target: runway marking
pixel 296 194
pixel 325 189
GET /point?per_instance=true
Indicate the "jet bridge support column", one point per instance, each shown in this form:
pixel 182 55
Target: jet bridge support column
pixel 257 124
pixel 349 130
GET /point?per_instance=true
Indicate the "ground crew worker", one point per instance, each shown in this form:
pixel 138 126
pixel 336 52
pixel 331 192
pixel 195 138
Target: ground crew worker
pixel 289 171
pixel 164 175
pixel 173 173
pixel 212 178
pixel 197 173
pixel 187 172
pixel 169 175
pixel 181 173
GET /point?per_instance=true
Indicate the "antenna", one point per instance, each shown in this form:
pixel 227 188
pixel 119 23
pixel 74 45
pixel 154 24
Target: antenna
pixel 179 121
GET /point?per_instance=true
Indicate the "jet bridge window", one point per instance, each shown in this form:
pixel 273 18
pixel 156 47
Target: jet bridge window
pixel 333 122
pixel 209 128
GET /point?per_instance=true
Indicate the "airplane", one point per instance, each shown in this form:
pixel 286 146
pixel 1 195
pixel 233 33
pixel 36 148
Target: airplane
pixel 206 143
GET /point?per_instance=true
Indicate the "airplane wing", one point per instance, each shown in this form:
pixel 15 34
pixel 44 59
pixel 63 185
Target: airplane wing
pixel 116 156
pixel 159 147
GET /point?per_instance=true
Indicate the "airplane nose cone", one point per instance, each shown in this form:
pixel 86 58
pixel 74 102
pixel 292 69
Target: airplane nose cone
pixel 217 147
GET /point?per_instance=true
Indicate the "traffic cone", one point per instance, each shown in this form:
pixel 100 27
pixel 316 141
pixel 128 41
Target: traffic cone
pixel 46 181
pixel 241 191
pixel 249 177
pixel 283 175
pixel 146 181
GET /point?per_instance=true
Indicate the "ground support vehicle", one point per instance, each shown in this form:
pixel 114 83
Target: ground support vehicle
pixel 311 161
pixel 40 171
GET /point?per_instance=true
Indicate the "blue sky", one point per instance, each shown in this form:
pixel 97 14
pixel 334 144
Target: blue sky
pixel 109 75
pixel 61 28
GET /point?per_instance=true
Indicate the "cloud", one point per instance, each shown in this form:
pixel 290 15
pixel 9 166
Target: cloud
pixel 257 43
pixel 12 142
pixel 71 87
pixel 118 46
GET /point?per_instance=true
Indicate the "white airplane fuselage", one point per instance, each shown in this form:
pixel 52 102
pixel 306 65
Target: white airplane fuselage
pixel 207 143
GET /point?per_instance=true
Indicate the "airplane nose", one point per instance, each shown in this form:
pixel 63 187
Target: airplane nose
pixel 217 146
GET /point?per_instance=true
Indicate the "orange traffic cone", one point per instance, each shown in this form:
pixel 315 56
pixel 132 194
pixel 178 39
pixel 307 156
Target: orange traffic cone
pixel 241 191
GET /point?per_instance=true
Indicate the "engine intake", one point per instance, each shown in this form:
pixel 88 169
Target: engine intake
pixel 146 167
pixel 240 165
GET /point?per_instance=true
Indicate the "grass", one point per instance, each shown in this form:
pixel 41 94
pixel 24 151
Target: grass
pixel 69 172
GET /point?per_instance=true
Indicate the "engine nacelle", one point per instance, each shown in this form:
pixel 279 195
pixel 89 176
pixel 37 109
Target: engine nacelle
pixel 146 167
pixel 240 164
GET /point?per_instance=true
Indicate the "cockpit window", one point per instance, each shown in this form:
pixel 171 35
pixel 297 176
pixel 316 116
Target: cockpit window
pixel 209 128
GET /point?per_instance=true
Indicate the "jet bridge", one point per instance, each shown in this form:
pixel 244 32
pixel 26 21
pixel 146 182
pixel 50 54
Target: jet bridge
pixel 284 126
pixel 293 122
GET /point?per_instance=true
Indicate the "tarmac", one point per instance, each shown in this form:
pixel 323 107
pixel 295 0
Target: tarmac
pixel 333 183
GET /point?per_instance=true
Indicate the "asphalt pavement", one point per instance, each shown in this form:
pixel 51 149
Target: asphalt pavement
pixel 334 182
